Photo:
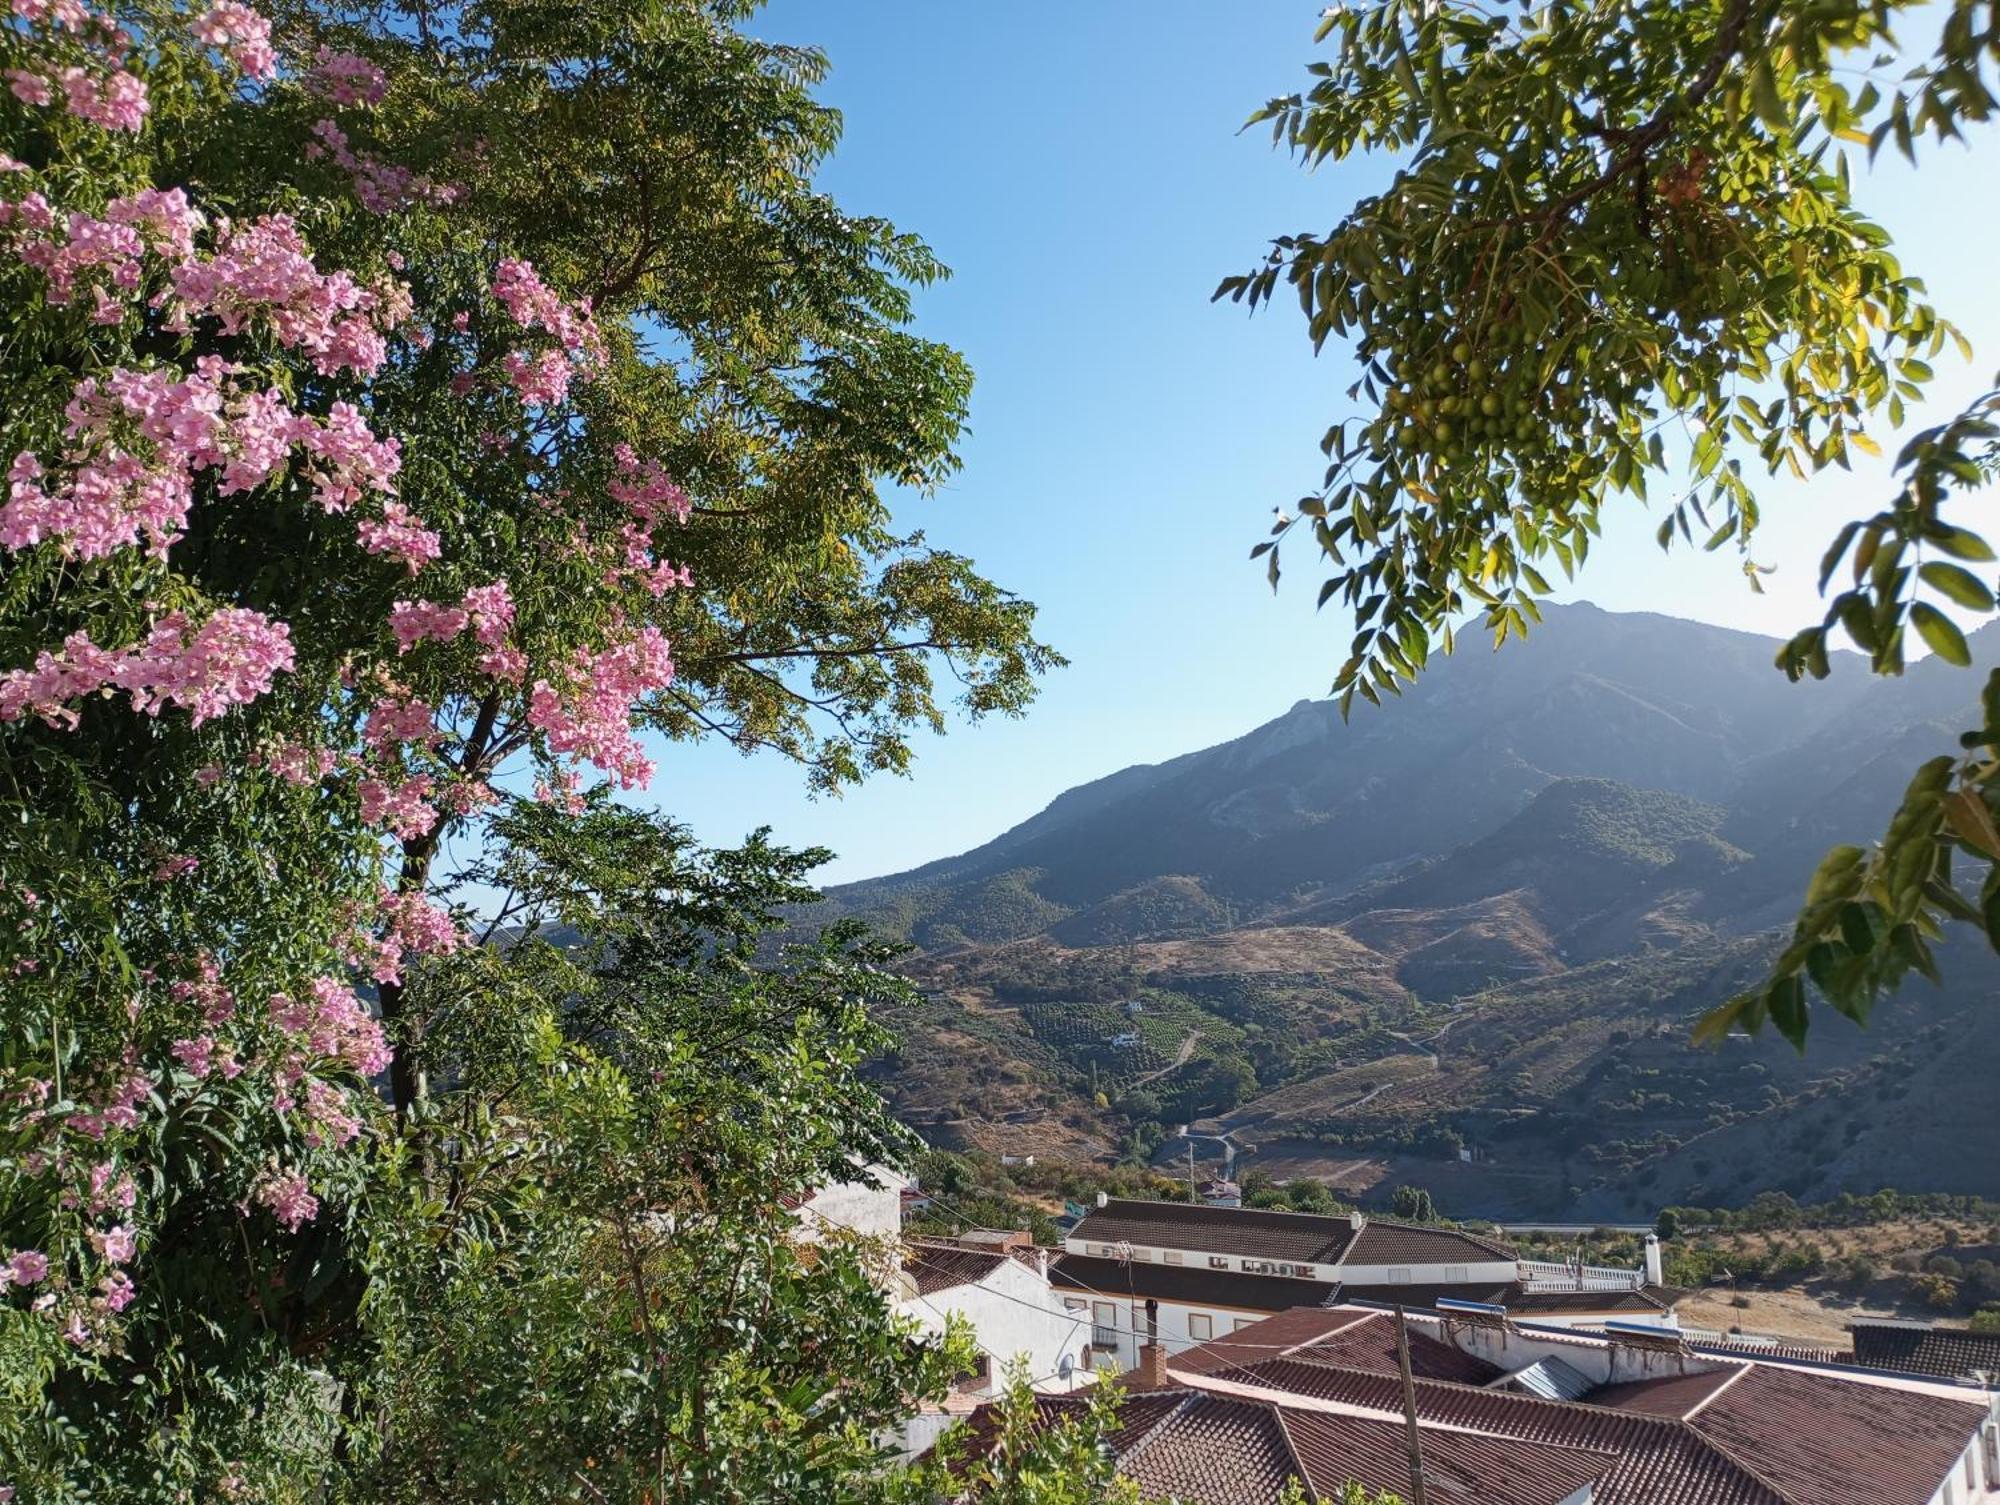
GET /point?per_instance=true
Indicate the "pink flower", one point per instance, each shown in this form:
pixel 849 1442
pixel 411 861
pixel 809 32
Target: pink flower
pixel 290 1201
pixel 491 610
pixel 413 622
pixel 418 926
pixel 394 720
pixel 347 78
pixel 592 716
pixel 334 1023
pixel 117 101
pixel 116 1245
pixel 541 380
pixel 174 867
pixel 400 808
pixel 197 1054
pixel 29 88
pixel 243 34
pixel 28 1267
pixel 400 536
pixel 118 1292
pixel 647 490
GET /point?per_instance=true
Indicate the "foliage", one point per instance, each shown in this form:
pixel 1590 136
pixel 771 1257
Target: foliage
pixel 1413 1203
pixel 1020 1455
pixel 409 407
pixel 1619 242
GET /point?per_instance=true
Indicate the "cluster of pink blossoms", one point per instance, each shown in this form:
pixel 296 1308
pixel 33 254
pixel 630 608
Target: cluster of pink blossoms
pixel 487 609
pixel 403 808
pixel 399 535
pixel 240 32
pixel 229 660
pixel 592 717
pixel 294 762
pixel 154 219
pixel 412 926
pixel 263 272
pixel 347 78
pixel 335 1024
pixel 139 439
pixel 107 93
pixel 379 187
pixel 532 304
pixel 289 1198
pixel 647 490
pixel 541 381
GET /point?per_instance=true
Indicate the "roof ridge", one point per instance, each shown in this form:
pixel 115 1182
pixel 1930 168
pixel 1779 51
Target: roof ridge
pixel 1728 1456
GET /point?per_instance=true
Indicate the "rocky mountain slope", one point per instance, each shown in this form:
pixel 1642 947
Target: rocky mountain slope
pixel 1476 923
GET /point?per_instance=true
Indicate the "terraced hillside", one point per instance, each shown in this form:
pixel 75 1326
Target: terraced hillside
pixel 1459 941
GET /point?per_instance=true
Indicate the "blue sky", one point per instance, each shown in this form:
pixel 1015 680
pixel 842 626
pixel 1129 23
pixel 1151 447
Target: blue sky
pixel 1078 165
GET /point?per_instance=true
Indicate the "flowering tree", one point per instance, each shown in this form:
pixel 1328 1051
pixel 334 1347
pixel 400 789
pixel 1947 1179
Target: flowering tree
pixel 409 404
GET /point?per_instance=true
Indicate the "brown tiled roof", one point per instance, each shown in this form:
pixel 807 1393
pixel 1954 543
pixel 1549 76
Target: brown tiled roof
pixel 1243 1231
pixel 1824 1440
pixel 1356 1340
pixel 1460 1468
pixel 1670 1395
pixel 1741 1433
pixel 1421 1244
pixel 939 1267
pixel 1948 1352
pixel 1193 1285
pixel 1734 1348
pixel 1212 1450
pixel 1302 1237
pixel 1659 1461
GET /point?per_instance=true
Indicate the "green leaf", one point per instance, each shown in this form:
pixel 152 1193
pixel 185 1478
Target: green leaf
pixel 1942 634
pixel 1958 584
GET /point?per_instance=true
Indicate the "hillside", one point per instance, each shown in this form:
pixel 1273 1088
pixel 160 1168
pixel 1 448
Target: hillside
pixel 1459 940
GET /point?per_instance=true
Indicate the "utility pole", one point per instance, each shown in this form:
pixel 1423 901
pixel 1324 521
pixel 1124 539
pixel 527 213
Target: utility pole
pixel 1193 1195
pixel 1410 1410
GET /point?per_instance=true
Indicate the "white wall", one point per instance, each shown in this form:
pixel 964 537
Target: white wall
pixel 870 1205
pixel 1014 1315
pixel 1176 1330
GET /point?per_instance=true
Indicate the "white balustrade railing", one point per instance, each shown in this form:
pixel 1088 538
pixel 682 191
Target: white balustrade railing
pixel 1553 1275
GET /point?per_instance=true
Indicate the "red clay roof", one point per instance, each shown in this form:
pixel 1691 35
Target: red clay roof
pixel 1258 1233
pixel 1733 1433
pixel 1213 1450
pixel 1949 1352
pixel 1357 1340
pixel 1194 1285
pixel 939 1267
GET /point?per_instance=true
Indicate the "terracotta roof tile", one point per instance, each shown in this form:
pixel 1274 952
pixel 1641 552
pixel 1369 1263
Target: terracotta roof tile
pixel 939 1267
pixel 1948 1352
pixel 1242 1231
pixel 1823 1440
pixel 1085 1274
pixel 1346 1338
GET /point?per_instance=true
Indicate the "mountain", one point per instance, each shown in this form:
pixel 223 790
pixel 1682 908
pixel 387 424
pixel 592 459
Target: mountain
pixel 1475 923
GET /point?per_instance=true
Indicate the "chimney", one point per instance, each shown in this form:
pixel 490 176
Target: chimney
pixel 1357 1220
pixel 1103 1199
pixel 1151 1371
pixel 1042 1261
pixel 1655 1275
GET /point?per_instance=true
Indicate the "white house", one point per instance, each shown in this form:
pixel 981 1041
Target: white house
pixel 1184 1274
pixel 871 1205
pixel 998 1284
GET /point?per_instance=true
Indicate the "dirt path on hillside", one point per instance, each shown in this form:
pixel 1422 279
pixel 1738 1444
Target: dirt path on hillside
pixel 1180 1059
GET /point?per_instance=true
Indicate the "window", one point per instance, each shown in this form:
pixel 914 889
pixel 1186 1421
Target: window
pixel 1399 1276
pixel 1101 1250
pixel 1453 1275
pixel 1201 1327
pixel 1104 1313
pixel 1218 1262
pixel 1172 1256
